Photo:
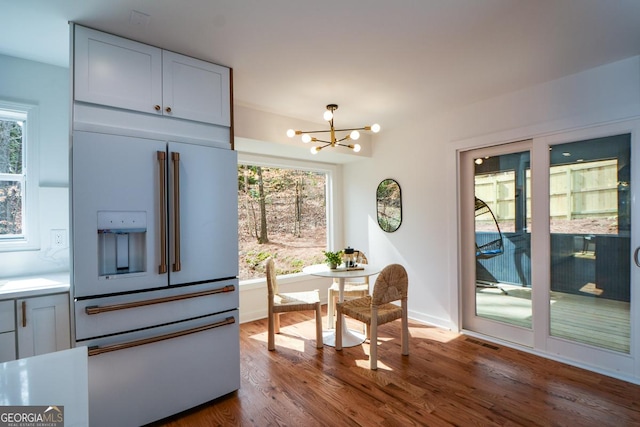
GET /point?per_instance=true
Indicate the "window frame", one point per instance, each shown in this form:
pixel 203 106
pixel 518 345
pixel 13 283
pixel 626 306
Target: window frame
pixel 334 177
pixel 30 237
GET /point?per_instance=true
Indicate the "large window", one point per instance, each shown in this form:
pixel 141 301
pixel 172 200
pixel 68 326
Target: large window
pixel 12 176
pixel 18 217
pixel 282 213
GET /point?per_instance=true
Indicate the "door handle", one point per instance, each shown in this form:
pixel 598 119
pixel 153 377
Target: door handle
pixel 162 185
pixel 97 350
pixel 175 158
pixel 635 256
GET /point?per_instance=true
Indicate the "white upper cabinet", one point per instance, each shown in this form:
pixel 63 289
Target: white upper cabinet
pixel 195 89
pixel 117 72
pixel 122 73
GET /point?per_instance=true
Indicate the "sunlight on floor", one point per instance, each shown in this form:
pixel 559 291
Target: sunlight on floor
pixel 285 339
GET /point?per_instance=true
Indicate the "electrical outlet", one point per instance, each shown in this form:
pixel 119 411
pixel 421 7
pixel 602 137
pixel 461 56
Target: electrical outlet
pixel 59 239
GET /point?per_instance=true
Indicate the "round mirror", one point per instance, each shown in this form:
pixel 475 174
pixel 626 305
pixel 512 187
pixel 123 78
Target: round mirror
pixel 389 205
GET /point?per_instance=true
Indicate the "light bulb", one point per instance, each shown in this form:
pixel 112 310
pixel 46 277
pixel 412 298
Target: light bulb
pixel 291 133
pixel 314 150
pixel 328 115
pixel 306 138
pixel 356 148
pixel 375 128
pixel 354 135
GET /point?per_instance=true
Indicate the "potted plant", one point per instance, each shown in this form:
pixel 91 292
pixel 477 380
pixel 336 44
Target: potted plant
pixel 333 259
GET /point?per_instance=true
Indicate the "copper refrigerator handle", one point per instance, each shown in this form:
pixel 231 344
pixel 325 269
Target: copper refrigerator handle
pixel 175 158
pixel 95 309
pixel 162 185
pixel 94 351
pixel 24 314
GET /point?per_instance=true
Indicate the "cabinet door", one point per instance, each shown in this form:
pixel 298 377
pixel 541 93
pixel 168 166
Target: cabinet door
pixel 7 331
pixel 195 90
pixel 118 72
pixel 208 220
pixel 43 325
pixel 7 346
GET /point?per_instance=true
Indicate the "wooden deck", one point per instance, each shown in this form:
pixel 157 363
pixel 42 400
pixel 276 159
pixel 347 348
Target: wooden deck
pixel 447 380
pixel 587 319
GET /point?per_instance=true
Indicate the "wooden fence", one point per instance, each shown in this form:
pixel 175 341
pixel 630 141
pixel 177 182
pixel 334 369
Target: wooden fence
pixel 578 190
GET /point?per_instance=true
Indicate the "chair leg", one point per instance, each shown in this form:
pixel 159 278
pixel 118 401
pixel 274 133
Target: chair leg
pixel 319 342
pixel 271 336
pixel 276 322
pixel 339 327
pixel 331 304
pixel 405 329
pixel 373 342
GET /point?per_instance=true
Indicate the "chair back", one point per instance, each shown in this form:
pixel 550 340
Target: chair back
pixel 391 285
pixel 272 284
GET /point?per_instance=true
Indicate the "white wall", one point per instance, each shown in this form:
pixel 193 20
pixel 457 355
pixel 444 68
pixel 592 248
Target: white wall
pixel 46 86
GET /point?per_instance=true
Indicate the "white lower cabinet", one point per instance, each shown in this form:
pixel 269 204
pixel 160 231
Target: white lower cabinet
pixel 7 331
pixel 43 324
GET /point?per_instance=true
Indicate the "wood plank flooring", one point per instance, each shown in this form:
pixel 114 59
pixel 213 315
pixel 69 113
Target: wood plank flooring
pixel 447 380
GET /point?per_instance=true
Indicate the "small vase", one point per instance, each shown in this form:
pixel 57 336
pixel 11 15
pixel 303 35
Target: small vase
pixel 332 266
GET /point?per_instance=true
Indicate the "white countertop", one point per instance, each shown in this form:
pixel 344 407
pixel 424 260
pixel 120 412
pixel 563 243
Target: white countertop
pixel 28 286
pixel 52 379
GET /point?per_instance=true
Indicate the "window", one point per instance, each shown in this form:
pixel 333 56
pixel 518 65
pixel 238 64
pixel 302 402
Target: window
pixel 17 197
pixel 283 213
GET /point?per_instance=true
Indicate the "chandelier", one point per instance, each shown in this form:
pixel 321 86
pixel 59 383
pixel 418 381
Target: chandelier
pixel 334 140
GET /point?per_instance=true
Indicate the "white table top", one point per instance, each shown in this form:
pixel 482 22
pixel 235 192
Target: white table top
pixel 323 270
pixel 52 379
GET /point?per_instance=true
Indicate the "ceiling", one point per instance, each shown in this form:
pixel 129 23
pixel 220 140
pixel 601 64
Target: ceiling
pixel 381 61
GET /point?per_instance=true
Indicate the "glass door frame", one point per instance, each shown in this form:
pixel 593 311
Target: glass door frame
pixel 470 321
pixel 612 361
pixel 539 339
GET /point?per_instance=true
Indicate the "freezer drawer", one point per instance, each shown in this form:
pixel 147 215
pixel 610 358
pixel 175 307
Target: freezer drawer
pixel 97 317
pixel 148 382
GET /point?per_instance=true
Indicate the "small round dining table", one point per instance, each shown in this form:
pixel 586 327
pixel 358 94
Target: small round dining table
pixel 350 338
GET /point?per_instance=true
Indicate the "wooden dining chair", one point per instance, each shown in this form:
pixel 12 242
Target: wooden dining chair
pixel 286 302
pixel 352 289
pixel 391 285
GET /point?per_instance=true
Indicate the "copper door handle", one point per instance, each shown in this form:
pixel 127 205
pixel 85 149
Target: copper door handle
pixel 94 351
pixel 175 158
pixel 162 206
pixel 95 309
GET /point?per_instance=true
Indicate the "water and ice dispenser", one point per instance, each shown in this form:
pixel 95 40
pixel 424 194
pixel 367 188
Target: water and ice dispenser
pixel 121 242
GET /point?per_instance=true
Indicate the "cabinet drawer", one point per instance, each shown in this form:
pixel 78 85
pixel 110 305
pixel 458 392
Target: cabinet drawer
pixel 7 316
pixel 97 317
pixel 162 377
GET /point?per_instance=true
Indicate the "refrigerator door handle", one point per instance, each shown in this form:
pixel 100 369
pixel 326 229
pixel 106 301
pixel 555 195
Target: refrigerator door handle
pixel 635 256
pixel 94 351
pixel 99 309
pixel 162 206
pixel 175 158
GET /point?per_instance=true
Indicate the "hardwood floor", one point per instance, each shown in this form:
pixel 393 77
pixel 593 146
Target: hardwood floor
pixel 447 380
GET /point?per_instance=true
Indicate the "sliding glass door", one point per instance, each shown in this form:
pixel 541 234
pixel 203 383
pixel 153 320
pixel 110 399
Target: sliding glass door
pixel 496 211
pixel 547 245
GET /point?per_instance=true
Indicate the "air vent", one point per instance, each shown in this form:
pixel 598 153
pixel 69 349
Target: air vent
pixel 482 343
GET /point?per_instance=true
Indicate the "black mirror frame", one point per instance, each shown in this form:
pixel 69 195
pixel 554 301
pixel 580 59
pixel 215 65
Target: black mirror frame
pixel 385 225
